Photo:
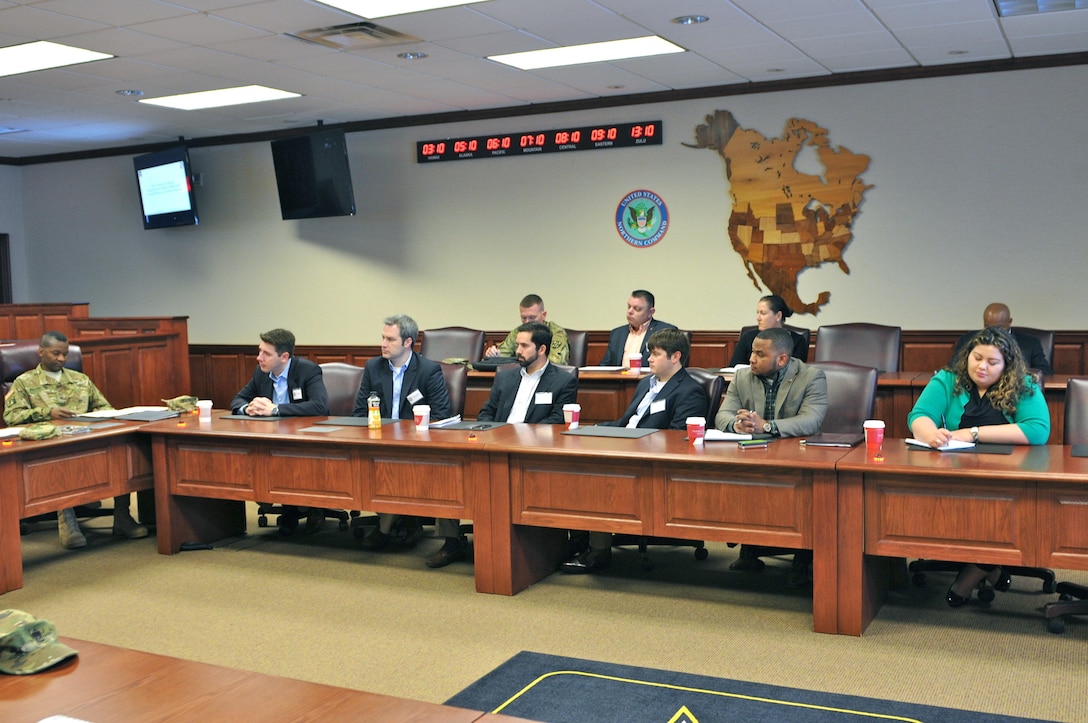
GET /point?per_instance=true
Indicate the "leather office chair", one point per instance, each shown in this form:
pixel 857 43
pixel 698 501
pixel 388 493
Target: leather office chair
pixel 805 334
pixel 456 376
pixel 21 355
pixel 869 345
pixel 1073 597
pixel 578 343
pixel 713 384
pixel 851 394
pixel 342 383
pixel 1046 340
pixel 452 342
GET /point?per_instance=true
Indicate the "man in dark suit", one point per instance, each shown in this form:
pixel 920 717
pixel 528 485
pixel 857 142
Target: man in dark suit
pixel 780 396
pixel 536 392
pixel 284 385
pixel 998 314
pixel 663 400
pixel 403 379
pixel 633 336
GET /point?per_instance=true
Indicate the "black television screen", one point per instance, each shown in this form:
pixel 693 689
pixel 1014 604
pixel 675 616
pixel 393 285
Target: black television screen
pixel 312 175
pixel 165 180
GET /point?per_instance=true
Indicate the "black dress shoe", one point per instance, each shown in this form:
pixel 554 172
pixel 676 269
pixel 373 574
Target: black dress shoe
pixel 1004 582
pixel 450 552
pixel 288 521
pixel 376 540
pixel 589 561
pixel 954 599
pixel 747 561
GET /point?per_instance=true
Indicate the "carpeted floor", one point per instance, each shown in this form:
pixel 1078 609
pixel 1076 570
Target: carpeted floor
pixel 318 608
pixel 556 689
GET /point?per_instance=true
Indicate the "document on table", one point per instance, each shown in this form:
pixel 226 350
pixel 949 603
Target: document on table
pixel 731 370
pixel 716 435
pixel 599 369
pixel 952 445
pixel 112 413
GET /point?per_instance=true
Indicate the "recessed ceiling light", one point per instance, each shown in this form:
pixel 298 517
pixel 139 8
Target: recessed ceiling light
pixel 130 93
pixel 1012 8
pixel 412 56
pixel 386 8
pixel 588 53
pixel 42 55
pixel 220 98
pixel 690 19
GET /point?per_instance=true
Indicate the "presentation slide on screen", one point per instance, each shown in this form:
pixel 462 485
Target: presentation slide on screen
pixel 164 189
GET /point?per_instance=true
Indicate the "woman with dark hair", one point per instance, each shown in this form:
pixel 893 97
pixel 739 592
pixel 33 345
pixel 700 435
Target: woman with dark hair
pixel 986 395
pixel 771 312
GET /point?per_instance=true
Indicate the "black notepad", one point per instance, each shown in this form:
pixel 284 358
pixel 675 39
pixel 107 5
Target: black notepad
pixel 831 439
pixel 354 421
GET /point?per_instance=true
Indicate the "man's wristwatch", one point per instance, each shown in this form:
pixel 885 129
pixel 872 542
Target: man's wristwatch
pixel 768 428
pixel 275 410
pixel 974 434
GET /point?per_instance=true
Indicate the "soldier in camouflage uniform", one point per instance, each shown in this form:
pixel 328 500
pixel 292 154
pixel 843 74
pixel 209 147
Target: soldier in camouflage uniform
pixel 532 309
pixel 50 392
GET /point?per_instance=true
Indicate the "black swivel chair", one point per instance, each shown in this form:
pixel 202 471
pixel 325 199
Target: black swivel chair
pixel 805 334
pixel 851 394
pixel 452 342
pixel 1074 597
pixel 342 383
pixel 1046 340
pixel 578 344
pixel 868 345
pixel 713 384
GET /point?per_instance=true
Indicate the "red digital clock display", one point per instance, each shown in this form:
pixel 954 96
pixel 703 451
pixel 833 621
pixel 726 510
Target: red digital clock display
pixel 620 135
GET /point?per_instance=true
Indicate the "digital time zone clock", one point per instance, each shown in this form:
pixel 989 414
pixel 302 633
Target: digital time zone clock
pixel 585 138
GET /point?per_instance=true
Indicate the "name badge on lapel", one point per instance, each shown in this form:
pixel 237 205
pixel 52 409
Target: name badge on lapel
pixel 296 394
pixel 415 396
pixel 657 407
pixel 543 398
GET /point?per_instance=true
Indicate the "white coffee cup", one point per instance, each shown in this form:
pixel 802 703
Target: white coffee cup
pixel 634 362
pixel 571 414
pixel 205 407
pixel 422 413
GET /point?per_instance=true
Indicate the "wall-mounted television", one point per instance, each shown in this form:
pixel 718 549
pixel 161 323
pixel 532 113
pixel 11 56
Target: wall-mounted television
pixel 312 175
pixel 165 180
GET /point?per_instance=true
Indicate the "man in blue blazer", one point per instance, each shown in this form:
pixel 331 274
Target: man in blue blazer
pixel 284 385
pixel 663 400
pixel 403 379
pixel 632 337
pixel 536 391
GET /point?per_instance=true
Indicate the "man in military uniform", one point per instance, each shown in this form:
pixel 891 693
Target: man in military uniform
pixel 49 392
pixel 532 309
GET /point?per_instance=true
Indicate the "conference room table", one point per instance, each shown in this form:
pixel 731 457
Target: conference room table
pixel 542 479
pixel 108 683
pixel 206 469
pixel 1026 508
pixel 40 476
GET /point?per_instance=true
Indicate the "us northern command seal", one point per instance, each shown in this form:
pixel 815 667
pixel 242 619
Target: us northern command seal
pixel 642 218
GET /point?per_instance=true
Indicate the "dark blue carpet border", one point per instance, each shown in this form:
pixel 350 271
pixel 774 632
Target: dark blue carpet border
pixel 557 689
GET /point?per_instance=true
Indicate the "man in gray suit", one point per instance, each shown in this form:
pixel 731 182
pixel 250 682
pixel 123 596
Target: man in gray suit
pixel 779 396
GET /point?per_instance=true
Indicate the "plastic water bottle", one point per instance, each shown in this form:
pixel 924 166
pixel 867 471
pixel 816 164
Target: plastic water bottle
pixel 373 411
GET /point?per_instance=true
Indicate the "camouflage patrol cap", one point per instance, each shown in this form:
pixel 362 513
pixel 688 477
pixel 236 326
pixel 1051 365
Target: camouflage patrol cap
pixel 184 403
pixel 40 430
pixel 28 644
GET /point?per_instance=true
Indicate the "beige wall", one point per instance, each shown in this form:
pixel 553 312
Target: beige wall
pixel 979 189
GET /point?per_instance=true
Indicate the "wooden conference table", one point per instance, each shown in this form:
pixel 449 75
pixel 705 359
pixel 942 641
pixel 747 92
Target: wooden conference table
pixel 1028 508
pixel 522 485
pixel 106 683
pixel 49 475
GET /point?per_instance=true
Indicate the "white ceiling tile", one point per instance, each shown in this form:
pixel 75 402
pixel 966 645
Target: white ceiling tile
pixel 285 16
